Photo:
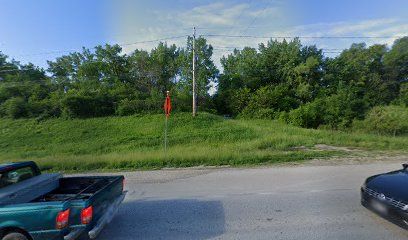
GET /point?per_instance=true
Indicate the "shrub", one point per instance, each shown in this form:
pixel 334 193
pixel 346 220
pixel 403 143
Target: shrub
pixel 239 100
pixel 390 120
pixel 15 107
pixel 403 96
pixel 309 115
pixel 45 108
pixel 83 106
pixel 130 107
pixel 127 107
pixel 342 108
pixel 262 113
pixel 268 101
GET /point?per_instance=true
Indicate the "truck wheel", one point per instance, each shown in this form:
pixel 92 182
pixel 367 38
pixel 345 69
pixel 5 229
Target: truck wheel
pixel 15 236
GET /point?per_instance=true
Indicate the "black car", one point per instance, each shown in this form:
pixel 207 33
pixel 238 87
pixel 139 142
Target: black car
pixel 387 195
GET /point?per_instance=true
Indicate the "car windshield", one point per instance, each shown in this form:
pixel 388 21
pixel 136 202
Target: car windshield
pixel 13 176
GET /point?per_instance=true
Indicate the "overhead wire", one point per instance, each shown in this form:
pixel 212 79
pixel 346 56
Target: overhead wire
pixel 218 48
pixel 68 51
pixel 240 15
pixel 311 37
pixel 120 44
pixel 256 16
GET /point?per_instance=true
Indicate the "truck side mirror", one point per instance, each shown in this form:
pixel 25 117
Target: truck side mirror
pixel 405 166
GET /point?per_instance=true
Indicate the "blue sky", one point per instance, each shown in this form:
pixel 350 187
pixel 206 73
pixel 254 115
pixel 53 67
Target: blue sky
pixel 40 30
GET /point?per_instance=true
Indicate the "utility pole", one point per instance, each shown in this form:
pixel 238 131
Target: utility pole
pixel 194 83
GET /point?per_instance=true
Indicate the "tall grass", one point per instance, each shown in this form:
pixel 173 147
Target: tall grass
pixel 136 142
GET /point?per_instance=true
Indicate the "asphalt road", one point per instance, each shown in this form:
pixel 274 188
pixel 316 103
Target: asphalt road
pixel 303 202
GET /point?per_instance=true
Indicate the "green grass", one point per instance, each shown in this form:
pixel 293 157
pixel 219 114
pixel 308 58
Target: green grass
pixel 136 142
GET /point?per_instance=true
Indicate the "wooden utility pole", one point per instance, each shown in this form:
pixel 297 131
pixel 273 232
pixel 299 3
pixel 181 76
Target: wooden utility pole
pixel 194 83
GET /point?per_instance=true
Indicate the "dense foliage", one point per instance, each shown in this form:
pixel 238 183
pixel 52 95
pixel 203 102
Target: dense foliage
pixel 106 82
pixel 280 80
pixel 299 85
pixel 389 120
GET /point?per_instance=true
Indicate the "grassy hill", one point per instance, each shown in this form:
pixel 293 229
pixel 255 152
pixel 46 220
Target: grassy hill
pixel 136 142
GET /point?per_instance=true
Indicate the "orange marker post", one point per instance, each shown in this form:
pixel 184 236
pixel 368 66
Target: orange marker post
pixel 167 110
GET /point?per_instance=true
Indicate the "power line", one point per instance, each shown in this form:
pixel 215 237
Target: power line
pixel 222 35
pixel 120 44
pixel 242 47
pixel 310 37
pixel 256 17
pixel 219 48
pixel 45 53
pixel 240 15
pixel 65 51
pixel 40 69
pixel 155 40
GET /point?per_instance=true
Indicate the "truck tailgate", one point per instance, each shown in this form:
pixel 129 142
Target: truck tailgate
pixel 107 190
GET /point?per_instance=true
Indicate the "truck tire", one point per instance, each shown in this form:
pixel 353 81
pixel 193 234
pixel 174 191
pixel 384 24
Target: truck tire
pixel 14 236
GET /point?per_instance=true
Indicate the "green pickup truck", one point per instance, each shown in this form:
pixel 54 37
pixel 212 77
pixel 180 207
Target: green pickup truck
pixel 35 206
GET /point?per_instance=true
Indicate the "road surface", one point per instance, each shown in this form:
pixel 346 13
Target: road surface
pixel 302 202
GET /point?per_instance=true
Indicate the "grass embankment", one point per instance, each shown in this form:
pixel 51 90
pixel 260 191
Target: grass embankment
pixel 136 142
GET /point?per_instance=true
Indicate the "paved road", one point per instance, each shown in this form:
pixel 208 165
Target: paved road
pixel 304 202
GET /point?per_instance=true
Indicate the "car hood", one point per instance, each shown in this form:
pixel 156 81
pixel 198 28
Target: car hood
pixel 393 185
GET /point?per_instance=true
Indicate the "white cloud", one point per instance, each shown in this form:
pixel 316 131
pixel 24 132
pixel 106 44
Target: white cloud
pixel 271 12
pixel 214 18
pixel 218 14
pixel 362 26
pixel 271 20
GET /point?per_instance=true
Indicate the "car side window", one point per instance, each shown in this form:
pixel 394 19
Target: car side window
pixel 16 176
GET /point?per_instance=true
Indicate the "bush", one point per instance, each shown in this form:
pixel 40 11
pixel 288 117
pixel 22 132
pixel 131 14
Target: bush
pixel 268 101
pixel 262 113
pixel 129 107
pixel 391 120
pixel 83 106
pixel 45 108
pixel 14 108
pixel 342 108
pixel 309 115
pixel 403 95
pixel 238 100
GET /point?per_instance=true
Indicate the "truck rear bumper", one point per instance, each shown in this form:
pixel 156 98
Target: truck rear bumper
pixel 74 234
pixel 107 217
pixel 48 234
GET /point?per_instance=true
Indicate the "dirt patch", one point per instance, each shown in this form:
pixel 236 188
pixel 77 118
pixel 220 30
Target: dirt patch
pixel 325 147
pixel 356 160
pixel 300 148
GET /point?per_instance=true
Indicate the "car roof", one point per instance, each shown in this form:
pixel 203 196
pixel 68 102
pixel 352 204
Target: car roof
pixel 10 166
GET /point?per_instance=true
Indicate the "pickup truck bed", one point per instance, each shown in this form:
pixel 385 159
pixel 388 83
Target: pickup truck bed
pixel 101 192
pixel 50 206
pixel 75 188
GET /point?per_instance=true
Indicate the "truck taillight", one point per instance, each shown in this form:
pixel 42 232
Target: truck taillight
pixel 86 215
pixel 62 219
pixel 123 183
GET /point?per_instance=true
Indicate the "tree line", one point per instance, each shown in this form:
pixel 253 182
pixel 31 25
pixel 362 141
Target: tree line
pixel 278 80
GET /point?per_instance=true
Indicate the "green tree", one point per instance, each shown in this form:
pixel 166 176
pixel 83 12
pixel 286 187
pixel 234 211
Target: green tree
pixel 206 71
pixel 396 60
